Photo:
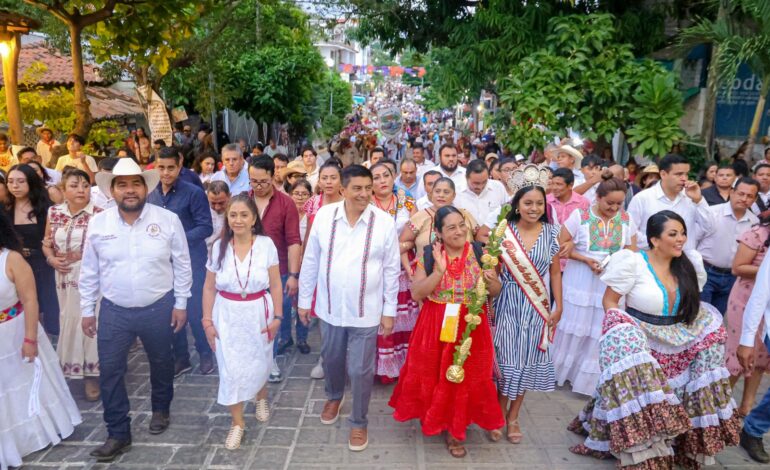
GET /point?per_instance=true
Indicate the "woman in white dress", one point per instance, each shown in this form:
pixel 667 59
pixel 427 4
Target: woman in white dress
pixel 597 232
pixel 36 408
pixel 242 299
pixel 66 229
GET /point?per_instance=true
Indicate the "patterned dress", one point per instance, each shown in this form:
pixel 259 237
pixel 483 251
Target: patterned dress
pixel 523 366
pixel 663 397
pixel 576 342
pixel 391 350
pixel 77 352
pixel 739 296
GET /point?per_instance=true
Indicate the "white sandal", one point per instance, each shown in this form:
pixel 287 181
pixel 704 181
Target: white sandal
pixel 263 410
pixel 233 440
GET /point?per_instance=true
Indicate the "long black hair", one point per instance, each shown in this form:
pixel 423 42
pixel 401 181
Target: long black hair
pixel 227 232
pixel 9 239
pixel 514 216
pixel 38 194
pixel 681 267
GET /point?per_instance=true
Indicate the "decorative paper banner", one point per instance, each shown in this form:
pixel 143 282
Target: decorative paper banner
pixel 390 121
pixel 157 116
pixel 393 70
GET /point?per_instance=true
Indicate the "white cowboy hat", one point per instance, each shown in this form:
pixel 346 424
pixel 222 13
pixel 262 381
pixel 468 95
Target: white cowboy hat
pixel 570 150
pixel 127 167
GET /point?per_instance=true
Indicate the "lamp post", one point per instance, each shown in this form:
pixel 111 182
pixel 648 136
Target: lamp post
pixel 330 63
pixel 12 26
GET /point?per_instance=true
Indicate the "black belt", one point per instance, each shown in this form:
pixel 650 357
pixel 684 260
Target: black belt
pixel 655 319
pixel 717 269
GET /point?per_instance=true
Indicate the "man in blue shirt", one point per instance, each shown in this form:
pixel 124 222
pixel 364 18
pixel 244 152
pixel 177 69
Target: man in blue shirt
pixel 234 171
pixel 190 204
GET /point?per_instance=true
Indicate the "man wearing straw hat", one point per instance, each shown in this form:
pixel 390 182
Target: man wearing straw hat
pixel 136 258
pixel 46 144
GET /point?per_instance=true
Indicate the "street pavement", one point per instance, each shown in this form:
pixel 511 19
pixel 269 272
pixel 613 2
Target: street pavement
pixel 294 438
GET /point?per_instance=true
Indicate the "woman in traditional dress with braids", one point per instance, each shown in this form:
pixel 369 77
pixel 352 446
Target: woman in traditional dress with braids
pixel 391 350
pixel 663 397
pixel 446 272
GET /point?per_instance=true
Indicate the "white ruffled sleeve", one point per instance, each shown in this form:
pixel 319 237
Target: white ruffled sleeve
pixel 620 273
pixel 697 261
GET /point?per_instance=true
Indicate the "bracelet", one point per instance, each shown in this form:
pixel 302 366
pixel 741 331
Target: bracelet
pixel 278 318
pixel 30 341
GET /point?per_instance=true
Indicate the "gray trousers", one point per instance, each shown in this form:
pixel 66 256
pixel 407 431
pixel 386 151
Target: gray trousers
pixel 353 351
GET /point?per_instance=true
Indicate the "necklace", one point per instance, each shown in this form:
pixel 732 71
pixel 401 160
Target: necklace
pixel 455 267
pixel 248 273
pixel 388 207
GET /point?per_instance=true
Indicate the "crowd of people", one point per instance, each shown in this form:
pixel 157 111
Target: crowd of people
pixel 467 275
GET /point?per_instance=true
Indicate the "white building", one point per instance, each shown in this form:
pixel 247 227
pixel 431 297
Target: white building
pixel 334 43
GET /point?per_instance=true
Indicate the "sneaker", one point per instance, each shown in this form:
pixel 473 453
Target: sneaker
pixel 275 374
pixel 303 347
pixel 181 367
pixel 263 410
pixel 206 366
pixel 283 346
pixel 359 439
pixel 331 411
pixel 318 370
pixel 754 447
pixel 234 437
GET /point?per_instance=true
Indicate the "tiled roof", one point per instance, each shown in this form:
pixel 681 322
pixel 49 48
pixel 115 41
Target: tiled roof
pixel 109 103
pixel 59 67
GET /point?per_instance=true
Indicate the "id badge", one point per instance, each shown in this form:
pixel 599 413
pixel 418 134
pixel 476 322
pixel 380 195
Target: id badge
pixel 450 323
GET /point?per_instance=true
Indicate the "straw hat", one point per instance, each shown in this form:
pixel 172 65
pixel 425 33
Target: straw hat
pixel 570 150
pixel 39 130
pixel 295 166
pixel 127 167
pixel 649 169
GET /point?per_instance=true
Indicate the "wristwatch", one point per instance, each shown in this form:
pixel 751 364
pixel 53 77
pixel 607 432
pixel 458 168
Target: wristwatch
pixel 294 275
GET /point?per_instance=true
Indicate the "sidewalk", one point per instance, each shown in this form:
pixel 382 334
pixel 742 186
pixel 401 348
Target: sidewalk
pixel 294 438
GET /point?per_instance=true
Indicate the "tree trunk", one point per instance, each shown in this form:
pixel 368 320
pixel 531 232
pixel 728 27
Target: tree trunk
pixel 13 108
pixel 709 113
pixel 758 112
pixel 82 105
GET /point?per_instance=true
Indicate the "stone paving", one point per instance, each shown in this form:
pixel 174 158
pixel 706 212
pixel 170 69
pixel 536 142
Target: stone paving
pixel 294 438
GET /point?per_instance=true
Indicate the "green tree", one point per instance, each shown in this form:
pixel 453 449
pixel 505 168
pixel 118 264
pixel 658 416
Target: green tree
pixel 341 94
pixel 581 79
pixel 740 34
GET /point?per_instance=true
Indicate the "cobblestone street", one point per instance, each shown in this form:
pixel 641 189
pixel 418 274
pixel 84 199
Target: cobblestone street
pixel 294 438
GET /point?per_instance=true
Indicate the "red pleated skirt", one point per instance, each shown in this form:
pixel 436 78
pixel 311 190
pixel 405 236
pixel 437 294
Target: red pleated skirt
pixel 423 391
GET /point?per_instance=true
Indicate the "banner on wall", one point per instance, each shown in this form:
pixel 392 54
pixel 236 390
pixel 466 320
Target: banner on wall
pixel 157 116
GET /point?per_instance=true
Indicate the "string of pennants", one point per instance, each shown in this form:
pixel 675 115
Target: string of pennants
pixel 393 70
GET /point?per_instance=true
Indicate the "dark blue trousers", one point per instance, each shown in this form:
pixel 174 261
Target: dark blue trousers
pixel 117 330
pixel 194 315
pixel 717 289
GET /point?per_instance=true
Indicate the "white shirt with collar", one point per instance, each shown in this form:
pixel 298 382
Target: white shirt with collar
pixel 217 221
pixel 101 200
pixel 590 193
pixel 237 186
pixel 423 203
pixel 765 197
pixel 758 306
pixel 481 205
pixel 719 245
pixel 458 177
pixel 135 265
pixel 354 270
pixel 424 167
pixel 653 200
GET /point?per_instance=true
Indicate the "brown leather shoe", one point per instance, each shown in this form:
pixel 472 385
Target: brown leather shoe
pixel 358 440
pixel 91 385
pixel 331 412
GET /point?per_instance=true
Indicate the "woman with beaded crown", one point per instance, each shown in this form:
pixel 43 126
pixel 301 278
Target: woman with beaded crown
pixel 525 320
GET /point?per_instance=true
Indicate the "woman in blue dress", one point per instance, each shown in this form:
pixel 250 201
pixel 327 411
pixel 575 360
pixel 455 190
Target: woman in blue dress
pixel 524 319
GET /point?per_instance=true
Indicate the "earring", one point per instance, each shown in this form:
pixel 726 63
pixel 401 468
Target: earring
pixel 516 211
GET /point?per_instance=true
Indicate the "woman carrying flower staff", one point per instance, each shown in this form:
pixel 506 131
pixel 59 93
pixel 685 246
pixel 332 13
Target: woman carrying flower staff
pixel 242 301
pixel 446 279
pixel 524 318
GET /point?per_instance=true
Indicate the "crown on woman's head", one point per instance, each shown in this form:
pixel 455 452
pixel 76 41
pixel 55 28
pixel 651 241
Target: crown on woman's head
pixel 528 175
